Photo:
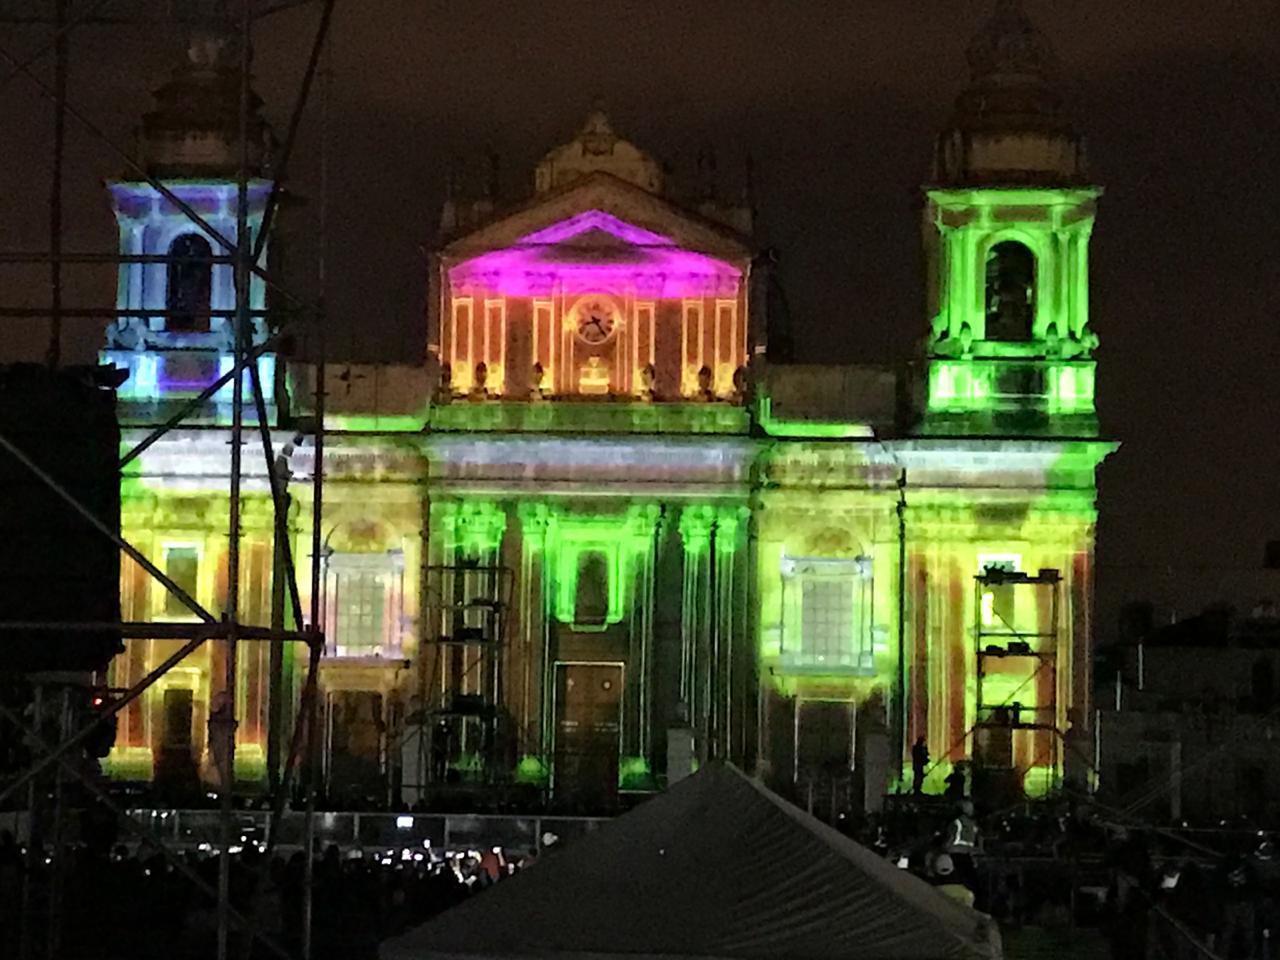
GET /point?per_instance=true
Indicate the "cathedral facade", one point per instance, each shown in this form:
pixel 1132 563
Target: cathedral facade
pixel 603 532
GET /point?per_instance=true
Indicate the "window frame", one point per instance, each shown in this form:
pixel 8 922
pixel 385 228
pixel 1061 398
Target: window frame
pixel 388 565
pixel 167 605
pixel 799 654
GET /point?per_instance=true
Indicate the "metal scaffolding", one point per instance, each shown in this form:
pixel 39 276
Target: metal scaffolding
pixel 245 256
pixel 461 706
pixel 1016 635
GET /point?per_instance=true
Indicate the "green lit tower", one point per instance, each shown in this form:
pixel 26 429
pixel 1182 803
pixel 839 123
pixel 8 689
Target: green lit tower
pixel 1000 495
pixel 1007 220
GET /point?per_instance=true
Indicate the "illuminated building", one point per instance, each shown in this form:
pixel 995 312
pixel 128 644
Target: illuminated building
pixel 600 533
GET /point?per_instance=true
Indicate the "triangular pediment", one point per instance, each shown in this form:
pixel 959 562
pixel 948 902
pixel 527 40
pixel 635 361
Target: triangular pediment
pixel 599 233
pixel 605 194
pixel 594 244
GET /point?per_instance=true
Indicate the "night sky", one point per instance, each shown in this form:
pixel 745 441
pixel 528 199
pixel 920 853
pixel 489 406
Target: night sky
pixel 837 103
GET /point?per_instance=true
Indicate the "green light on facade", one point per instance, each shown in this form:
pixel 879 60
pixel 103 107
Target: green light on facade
pixel 1016 340
pixel 1062 388
pixel 473 526
pixel 806 429
pixel 533 771
pixel 634 774
pixel 1039 781
pixel 375 424
pixel 128 763
pixel 615 539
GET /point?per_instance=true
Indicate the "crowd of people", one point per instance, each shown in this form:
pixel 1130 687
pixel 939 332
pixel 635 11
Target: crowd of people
pixel 130 904
pixel 1171 893
pixel 1153 892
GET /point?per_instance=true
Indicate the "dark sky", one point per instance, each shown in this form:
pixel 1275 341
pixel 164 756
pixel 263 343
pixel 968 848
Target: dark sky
pixel 837 102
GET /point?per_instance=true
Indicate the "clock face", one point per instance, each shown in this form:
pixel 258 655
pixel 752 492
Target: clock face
pixel 595 318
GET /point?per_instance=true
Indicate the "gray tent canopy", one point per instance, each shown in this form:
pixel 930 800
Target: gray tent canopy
pixel 715 867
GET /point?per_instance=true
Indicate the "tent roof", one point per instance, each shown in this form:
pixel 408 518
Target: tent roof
pixel 716 867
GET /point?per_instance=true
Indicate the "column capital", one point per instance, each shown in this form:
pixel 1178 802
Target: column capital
pixel 695 527
pixel 728 521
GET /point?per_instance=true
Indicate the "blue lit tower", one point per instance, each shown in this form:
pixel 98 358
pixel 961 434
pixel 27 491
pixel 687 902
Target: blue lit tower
pixel 190 144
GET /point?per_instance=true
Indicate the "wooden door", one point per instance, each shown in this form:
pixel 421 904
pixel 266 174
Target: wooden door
pixel 588 732
pixel 175 767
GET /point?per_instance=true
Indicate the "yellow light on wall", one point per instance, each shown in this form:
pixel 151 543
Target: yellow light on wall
pixel 988 609
pixel 461 363
pixel 594 377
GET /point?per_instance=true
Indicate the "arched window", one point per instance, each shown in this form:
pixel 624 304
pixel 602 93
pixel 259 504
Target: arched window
pixel 1011 274
pixel 189 284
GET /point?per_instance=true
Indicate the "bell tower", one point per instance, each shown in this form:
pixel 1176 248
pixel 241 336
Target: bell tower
pixel 1007 219
pixel 176 297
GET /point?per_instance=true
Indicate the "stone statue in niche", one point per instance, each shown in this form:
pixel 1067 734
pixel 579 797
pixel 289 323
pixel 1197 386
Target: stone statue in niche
pixel 129 333
pixel 706 384
pixel 648 382
pixel 960 345
pixel 444 385
pixel 1080 348
pixel 1053 347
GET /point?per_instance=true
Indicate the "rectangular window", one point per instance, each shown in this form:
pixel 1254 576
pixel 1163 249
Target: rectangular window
pixel 461 345
pixel 495 345
pixel 182 566
pixel 361 605
pixel 544 344
pixel 726 345
pixel 826 616
pixel 692 346
pixel 642 336
pixel 364 604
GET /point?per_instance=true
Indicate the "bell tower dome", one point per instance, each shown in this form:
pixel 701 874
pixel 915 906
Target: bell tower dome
pixel 1007 220
pixel 194 129
pixel 1009 125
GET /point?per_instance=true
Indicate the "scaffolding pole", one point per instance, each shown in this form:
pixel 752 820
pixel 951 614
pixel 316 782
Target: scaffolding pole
pixel 245 255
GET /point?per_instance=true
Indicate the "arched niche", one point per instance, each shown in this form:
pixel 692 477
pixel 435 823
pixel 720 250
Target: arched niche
pixel 1010 291
pixel 189 284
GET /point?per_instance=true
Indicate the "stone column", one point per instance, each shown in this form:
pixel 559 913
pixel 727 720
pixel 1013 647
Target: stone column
pixel 533 674
pixel 730 522
pixel 695 622
pixel 637 563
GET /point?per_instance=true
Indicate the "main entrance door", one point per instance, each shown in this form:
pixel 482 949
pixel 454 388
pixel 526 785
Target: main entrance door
pixel 824 755
pixel 588 732
pixel 355 745
pixel 175 771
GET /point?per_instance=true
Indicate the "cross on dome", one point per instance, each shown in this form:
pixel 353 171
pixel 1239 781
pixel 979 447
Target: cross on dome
pixel 1009 44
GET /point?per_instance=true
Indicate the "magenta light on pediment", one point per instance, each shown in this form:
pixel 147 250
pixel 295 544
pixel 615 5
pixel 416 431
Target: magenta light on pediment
pixel 596 251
